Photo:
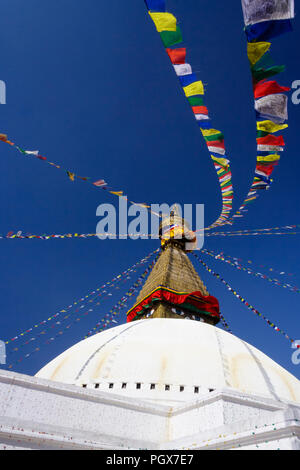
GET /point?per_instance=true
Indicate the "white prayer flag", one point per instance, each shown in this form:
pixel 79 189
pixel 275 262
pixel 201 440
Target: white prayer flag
pixel 256 11
pixel 273 107
pixel 183 69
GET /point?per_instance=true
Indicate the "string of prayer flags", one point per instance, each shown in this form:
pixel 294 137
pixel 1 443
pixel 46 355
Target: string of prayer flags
pixel 35 153
pixel 286 227
pixel 229 234
pixel 248 305
pixel 85 298
pixel 193 89
pixel 101 183
pixel 116 310
pixel 12 235
pixel 237 265
pixel 81 312
pixel 108 319
pixel 225 324
pixel 226 188
pixel 265 19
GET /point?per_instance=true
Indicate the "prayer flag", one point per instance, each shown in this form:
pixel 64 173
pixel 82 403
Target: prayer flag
pixel 256 51
pixel 267 30
pixel 195 88
pixel 177 56
pixel 268 88
pixel 164 21
pixel 156 5
pixel 182 69
pixel 170 38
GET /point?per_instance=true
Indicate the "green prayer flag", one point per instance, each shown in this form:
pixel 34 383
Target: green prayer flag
pixel 170 38
pixel 195 101
pixel 261 74
pixel 215 137
pixel 262 134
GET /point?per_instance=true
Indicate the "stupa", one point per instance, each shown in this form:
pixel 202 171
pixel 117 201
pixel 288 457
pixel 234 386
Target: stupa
pixel 169 378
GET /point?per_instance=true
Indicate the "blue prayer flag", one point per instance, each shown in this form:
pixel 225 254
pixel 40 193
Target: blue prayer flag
pixel 156 5
pixel 267 29
pixel 205 125
pixel 186 80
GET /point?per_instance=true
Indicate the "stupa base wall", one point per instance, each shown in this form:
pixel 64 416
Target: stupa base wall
pixel 41 414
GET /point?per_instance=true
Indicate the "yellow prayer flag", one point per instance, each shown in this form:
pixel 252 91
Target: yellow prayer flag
pixel 117 193
pixel 195 88
pixel 251 198
pixel 256 50
pixel 71 175
pixel 164 21
pixel 269 158
pixel 208 132
pixel 221 161
pixel 270 126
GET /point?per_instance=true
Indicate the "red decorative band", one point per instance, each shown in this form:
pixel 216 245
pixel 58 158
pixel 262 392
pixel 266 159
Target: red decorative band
pixel 194 301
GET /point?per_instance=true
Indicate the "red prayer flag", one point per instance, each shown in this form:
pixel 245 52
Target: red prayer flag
pixel 177 56
pixel 271 140
pixel 267 169
pixel 216 143
pixel 263 88
pixel 100 183
pixel 200 110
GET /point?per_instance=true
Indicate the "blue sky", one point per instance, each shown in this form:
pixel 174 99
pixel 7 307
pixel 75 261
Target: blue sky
pixel 89 85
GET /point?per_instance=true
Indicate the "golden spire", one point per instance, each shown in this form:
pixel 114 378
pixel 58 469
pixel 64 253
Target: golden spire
pixel 173 288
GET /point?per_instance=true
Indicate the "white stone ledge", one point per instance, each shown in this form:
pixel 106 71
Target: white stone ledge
pixel 244 439
pixel 27 430
pixel 73 391
pixel 232 396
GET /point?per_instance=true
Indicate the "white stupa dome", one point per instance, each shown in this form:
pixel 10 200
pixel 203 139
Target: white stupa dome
pixel 170 360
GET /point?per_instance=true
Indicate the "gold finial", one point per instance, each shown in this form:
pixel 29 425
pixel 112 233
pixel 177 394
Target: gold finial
pixel 176 230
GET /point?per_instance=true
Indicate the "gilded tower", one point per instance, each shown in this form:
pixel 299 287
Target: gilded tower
pixel 174 288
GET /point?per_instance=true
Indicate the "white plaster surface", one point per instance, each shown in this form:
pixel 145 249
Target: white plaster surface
pixel 179 354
